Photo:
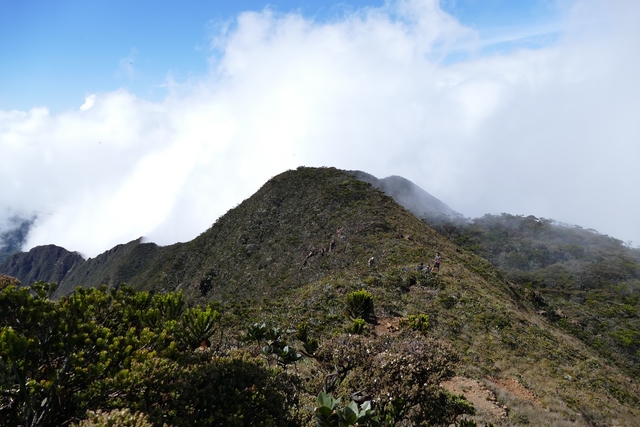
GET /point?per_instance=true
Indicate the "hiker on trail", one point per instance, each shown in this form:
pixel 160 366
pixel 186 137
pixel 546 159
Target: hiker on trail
pixel 420 267
pixel 436 261
pixel 427 269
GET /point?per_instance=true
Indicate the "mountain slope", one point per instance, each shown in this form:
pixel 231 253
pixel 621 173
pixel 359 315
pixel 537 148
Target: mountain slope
pixel 586 283
pixel 296 248
pixel 409 195
pixel 137 263
pixel 47 263
pixel 298 227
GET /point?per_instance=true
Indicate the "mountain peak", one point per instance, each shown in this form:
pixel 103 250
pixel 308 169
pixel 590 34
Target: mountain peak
pixel 407 194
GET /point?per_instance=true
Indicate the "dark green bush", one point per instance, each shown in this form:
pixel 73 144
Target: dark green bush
pixel 419 323
pixel 233 390
pixel 359 304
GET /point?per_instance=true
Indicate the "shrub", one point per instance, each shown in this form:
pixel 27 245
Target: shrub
pixel 329 415
pixel 401 374
pixel 358 326
pixel 309 345
pixel 419 323
pixel 234 390
pixel 359 304
pixel 448 301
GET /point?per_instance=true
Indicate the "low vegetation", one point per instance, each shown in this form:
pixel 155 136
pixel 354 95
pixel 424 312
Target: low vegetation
pixel 122 357
pixel 583 282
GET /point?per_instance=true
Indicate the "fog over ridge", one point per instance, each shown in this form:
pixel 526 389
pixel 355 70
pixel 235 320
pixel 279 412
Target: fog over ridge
pixel 397 90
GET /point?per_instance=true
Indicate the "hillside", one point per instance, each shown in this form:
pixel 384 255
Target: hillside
pixel 252 234
pixel 586 283
pixel 292 252
pixel 47 263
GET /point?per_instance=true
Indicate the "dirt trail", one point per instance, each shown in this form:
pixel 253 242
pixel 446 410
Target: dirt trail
pixel 484 400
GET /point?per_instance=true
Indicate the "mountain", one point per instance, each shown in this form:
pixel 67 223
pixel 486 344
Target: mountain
pixel 296 228
pixel 140 264
pixel 12 239
pixel 410 196
pixel 294 250
pixel 48 263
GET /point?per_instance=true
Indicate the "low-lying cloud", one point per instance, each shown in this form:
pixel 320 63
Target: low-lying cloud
pixel 552 131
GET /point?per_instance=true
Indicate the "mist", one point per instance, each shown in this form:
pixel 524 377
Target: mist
pixel 402 90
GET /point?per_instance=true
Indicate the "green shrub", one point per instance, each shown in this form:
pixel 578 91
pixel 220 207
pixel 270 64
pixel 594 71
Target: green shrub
pixel 234 390
pixel 199 326
pixel 329 415
pixel 358 326
pixel 359 304
pixel 418 323
pixel 309 345
pixel 448 301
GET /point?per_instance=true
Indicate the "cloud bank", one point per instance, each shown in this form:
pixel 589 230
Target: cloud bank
pixel 399 90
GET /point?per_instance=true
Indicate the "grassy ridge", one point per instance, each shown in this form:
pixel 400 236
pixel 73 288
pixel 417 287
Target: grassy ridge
pixel 295 249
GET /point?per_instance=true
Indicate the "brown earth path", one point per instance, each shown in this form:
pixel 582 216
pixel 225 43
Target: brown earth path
pixel 484 400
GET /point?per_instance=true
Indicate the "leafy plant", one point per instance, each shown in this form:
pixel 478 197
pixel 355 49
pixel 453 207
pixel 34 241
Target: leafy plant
pixel 359 304
pixel 418 322
pixel 198 326
pixel 309 345
pixel 328 414
pixel 357 327
pixel 255 332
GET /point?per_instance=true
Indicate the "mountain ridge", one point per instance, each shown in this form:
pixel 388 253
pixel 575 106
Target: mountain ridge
pixel 291 252
pixel 92 273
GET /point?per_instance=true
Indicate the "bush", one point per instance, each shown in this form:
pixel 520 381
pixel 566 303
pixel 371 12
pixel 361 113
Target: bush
pixel 359 304
pixel 419 323
pixel 309 345
pixel 401 374
pixel 358 326
pixel 234 390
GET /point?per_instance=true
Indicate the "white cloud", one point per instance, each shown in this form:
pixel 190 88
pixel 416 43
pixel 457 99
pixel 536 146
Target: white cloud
pixel 551 132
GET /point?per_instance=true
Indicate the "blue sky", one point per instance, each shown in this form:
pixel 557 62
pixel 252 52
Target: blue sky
pixel 121 119
pixel 57 52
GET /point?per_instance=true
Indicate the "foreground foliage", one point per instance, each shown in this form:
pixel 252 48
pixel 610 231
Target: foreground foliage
pixel 120 357
pixel 99 349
